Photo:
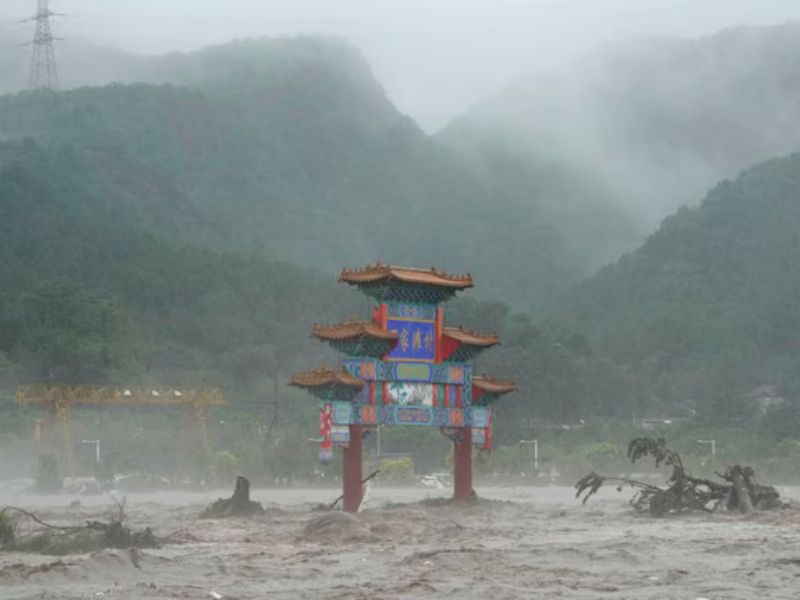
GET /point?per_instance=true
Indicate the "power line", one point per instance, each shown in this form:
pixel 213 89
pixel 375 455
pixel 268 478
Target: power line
pixel 44 72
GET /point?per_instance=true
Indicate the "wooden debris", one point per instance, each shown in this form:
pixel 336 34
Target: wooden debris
pixel 737 492
pixel 46 538
pixel 369 477
pixel 236 506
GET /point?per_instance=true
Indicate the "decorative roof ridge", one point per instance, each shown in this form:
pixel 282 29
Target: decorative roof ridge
pixel 381 270
pixel 486 377
pixel 469 331
pixel 356 327
pixel 490 384
pixel 325 376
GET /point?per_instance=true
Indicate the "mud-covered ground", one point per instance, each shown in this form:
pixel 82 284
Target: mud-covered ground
pixel 513 543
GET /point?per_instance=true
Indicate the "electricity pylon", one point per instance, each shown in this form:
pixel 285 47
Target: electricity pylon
pixel 44 72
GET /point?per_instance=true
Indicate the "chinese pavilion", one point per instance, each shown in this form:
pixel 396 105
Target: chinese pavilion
pixel 403 367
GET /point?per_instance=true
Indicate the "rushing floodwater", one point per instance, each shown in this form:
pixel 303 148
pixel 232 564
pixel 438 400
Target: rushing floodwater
pixel 514 543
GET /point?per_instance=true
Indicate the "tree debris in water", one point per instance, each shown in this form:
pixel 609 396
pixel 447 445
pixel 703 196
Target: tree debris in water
pixel 738 490
pixel 23 531
pixel 236 506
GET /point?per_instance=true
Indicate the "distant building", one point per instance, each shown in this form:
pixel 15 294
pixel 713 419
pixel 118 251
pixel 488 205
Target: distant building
pixel 656 423
pixel 765 397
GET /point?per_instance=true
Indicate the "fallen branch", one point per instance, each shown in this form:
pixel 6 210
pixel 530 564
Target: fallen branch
pixel 372 475
pixel 684 492
pixel 69 539
pixel 36 519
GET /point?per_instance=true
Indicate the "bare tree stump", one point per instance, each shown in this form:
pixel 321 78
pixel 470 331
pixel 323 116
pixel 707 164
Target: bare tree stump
pixel 237 505
pixel 742 490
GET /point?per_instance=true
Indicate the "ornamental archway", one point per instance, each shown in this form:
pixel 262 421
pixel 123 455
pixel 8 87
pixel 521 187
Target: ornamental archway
pixel 403 367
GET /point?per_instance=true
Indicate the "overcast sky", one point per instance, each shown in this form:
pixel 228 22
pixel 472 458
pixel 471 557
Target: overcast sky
pixel 435 57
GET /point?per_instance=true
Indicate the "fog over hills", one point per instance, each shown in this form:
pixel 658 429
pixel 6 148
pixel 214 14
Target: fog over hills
pixel 709 304
pixel 171 228
pixel 290 148
pixel 641 127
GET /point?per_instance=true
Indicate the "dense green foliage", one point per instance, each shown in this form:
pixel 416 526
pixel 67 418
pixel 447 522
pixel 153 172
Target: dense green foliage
pixel 707 310
pixel 287 149
pixel 609 146
pixel 85 298
pixel 142 229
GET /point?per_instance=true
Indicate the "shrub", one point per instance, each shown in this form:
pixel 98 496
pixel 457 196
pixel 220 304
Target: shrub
pixel 48 477
pixel 397 469
pixel 225 466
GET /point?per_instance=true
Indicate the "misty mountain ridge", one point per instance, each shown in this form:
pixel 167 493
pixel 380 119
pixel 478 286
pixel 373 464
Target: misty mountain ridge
pixel 710 301
pixel 639 128
pixel 579 168
pixel 290 150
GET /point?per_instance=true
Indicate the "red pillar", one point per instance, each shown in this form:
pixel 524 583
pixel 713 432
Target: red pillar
pixel 351 472
pixel 462 466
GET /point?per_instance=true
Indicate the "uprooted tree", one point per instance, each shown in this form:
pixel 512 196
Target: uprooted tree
pixel 738 489
pixel 23 531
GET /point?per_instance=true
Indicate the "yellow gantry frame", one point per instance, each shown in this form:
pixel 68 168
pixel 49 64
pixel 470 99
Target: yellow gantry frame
pixel 61 398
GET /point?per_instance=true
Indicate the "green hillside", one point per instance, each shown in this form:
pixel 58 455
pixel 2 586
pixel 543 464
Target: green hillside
pixel 86 298
pixel 188 233
pixel 613 144
pixel 289 149
pixel 709 303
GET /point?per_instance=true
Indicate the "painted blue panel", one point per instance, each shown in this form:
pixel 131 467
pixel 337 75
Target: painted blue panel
pixel 452 395
pixel 412 311
pixel 479 437
pixel 340 436
pixel 416 341
pixel 368 369
pixel 342 413
pixel 479 416
pixel 466 395
pixel 396 414
pixel 414 415
pixel 451 372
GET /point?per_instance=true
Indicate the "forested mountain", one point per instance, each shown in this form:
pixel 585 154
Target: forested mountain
pixel 142 228
pixel 289 149
pixel 709 303
pixel 79 62
pixel 84 297
pixel 611 146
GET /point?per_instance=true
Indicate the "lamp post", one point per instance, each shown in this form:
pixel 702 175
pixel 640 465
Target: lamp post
pixel 96 448
pixel 713 444
pixel 535 444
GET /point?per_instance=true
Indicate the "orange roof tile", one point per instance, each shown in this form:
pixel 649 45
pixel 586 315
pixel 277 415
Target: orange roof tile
pixel 325 376
pixel 383 272
pixel 470 338
pixel 493 386
pixel 352 329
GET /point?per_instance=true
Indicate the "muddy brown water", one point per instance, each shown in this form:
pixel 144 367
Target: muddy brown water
pixel 516 542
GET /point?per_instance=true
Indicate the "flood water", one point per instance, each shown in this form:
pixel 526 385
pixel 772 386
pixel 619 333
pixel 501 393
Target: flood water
pixel 515 542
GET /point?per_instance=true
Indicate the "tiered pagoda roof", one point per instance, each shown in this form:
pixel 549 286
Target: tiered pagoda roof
pixel 463 345
pixel 328 383
pixel 391 282
pixel 470 338
pixel 357 338
pixel 486 389
pixel 420 288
